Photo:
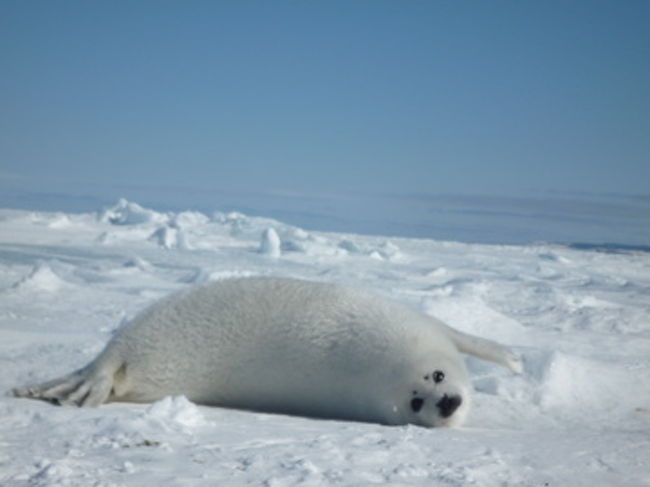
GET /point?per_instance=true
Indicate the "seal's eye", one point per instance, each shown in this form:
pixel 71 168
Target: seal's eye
pixel 416 404
pixel 438 376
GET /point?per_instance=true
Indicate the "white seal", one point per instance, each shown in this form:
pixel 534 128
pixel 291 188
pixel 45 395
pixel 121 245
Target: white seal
pixel 286 346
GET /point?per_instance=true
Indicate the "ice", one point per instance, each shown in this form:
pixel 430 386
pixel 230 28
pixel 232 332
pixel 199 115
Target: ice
pixel 270 243
pixel 580 319
pixel 170 237
pixel 40 278
pixel 175 413
pixel 129 213
pixel 188 219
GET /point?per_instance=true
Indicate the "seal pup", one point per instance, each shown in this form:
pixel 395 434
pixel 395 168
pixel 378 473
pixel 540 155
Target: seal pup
pixel 286 346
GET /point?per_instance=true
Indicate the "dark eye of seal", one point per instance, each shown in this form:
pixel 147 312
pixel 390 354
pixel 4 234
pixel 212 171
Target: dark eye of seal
pixel 438 376
pixel 416 404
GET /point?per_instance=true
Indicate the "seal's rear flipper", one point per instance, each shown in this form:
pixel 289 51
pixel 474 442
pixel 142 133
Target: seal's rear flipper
pixel 82 388
pixel 485 349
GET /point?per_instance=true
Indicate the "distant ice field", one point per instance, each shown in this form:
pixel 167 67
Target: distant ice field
pixel 607 222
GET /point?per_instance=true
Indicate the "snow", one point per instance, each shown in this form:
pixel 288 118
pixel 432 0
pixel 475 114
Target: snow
pixel 580 319
pixel 270 244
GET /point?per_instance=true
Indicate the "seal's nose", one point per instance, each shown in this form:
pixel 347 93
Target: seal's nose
pixel 447 405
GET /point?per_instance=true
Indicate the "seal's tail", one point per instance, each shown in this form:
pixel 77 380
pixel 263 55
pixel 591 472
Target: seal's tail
pixel 486 350
pixel 86 387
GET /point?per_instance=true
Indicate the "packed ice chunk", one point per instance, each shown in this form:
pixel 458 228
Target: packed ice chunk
pixel 128 213
pixel 270 243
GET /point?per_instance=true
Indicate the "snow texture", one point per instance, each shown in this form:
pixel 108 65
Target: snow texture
pixel 579 414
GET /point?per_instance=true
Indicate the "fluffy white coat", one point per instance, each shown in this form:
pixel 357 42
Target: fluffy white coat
pixel 287 346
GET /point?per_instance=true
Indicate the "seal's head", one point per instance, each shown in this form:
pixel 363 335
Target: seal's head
pixel 439 398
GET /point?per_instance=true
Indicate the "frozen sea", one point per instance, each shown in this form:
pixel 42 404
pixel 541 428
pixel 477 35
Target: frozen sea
pixel 577 310
pixel 586 220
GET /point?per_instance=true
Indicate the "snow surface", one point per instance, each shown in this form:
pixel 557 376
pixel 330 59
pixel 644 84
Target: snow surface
pixel 579 415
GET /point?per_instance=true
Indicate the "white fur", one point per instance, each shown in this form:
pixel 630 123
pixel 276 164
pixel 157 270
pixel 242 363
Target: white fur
pixel 283 345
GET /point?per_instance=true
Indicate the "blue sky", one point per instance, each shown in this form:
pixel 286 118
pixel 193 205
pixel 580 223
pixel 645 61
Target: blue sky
pixel 400 97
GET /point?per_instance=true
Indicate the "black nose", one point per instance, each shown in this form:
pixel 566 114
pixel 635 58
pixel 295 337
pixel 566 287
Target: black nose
pixel 448 405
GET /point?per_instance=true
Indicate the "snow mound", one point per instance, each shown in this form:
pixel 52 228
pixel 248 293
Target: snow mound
pixel 189 219
pixel 41 278
pixel 384 251
pixel 60 221
pixel 388 251
pixel 270 243
pixel 128 213
pixel 297 240
pixel 238 224
pixel 55 221
pixel 572 384
pixel 301 242
pixel 173 418
pixel 174 413
pixel 350 246
pixel 169 237
pixel 59 472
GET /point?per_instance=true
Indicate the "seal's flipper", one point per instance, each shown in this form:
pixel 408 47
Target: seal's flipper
pixel 84 388
pixel 485 349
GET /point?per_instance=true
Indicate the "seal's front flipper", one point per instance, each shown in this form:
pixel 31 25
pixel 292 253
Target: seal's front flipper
pixel 83 388
pixel 485 349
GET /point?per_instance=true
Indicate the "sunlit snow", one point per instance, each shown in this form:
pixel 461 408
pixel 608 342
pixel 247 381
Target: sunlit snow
pixel 579 415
